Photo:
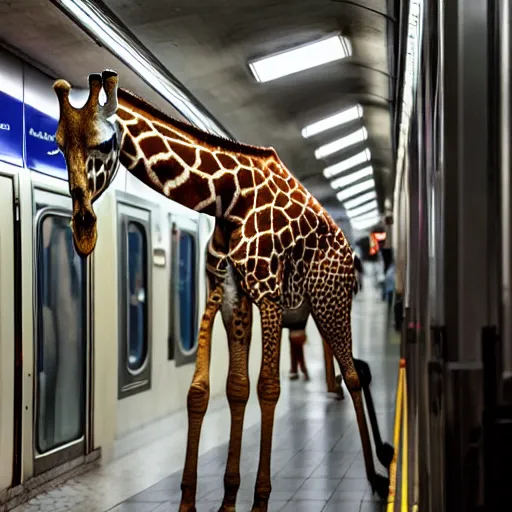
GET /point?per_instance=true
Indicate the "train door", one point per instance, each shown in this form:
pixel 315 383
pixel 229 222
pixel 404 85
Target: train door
pixel 134 256
pixel 184 289
pixel 7 330
pixel 61 336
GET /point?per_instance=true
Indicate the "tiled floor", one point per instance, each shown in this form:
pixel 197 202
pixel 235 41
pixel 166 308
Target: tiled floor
pixel 317 463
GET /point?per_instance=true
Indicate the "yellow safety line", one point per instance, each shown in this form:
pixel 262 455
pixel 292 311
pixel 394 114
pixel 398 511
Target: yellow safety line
pixel 405 453
pixel 396 438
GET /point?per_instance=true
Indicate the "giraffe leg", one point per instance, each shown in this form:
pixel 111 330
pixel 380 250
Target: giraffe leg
pixel 301 359
pixel 294 375
pixel 333 384
pixel 297 340
pixel 354 386
pixel 238 327
pixel 197 400
pixel 269 388
pixel 342 348
pixel 329 368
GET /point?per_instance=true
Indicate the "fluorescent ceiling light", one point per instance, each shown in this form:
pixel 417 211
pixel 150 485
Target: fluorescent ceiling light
pixel 369 215
pixel 365 224
pixel 360 200
pixel 343 117
pixel 348 179
pixel 364 209
pixel 94 20
pixel 337 145
pixel 298 59
pixel 354 190
pixel 347 164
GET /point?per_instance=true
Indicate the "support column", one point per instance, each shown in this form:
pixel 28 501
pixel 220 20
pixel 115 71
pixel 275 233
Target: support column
pixel 505 44
pixel 469 255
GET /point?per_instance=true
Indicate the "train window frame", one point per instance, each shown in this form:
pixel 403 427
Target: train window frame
pixel 176 351
pixel 131 382
pixel 46 204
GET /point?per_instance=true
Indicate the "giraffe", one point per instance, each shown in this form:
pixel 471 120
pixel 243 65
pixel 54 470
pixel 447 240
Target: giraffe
pixel 273 246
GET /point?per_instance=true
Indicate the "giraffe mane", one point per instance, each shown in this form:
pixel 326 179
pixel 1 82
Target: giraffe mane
pixel 202 135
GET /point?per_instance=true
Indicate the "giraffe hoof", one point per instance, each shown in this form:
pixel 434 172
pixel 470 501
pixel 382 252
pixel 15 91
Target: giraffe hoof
pixel 385 454
pixel 380 485
pixel 187 508
pixel 294 376
pixel 338 389
pixel 224 508
pixel 260 506
pixel 336 393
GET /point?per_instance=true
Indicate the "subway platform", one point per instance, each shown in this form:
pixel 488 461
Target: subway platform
pixel 317 462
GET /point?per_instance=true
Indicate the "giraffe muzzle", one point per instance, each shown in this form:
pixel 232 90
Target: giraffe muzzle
pixel 87 218
pixel 84 228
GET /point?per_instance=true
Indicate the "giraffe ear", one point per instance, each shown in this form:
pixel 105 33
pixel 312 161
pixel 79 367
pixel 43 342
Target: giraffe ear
pixel 94 90
pixel 110 82
pixel 62 88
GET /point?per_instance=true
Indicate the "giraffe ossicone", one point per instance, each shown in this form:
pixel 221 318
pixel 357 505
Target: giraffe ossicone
pixel 273 246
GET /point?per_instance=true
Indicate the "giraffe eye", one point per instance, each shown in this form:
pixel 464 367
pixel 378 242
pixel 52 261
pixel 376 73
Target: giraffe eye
pixel 105 147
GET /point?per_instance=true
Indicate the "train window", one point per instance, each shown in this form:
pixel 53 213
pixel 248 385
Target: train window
pixel 61 345
pixel 134 281
pixel 187 291
pixel 184 296
pixel 137 309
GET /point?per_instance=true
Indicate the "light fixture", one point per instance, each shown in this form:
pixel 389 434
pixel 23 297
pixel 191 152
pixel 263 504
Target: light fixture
pixel 348 179
pixel 360 200
pixel 337 145
pixel 354 190
pixel 347 164
pixel 300 58
pixel 366 223
pixel 100 24
pixel 361 210
pixel 368 215
pixel 414 37
pixel 338 119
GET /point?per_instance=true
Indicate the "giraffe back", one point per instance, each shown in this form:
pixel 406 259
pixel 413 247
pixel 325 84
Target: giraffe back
pixel 285 244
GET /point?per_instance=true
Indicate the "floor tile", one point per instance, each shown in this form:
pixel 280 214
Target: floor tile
pixel 317 489
pixel 304 506
pixel 136 507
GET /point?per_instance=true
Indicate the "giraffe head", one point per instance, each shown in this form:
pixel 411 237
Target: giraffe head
pixel 89 139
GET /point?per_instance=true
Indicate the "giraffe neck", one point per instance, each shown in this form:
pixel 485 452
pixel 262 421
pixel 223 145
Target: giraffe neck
pixel 201 171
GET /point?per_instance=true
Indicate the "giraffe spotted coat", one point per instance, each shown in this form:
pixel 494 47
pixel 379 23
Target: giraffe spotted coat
pixel 273 245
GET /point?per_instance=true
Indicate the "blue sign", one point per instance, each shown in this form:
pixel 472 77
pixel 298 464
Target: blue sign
pixel 11 129
pixel 42 152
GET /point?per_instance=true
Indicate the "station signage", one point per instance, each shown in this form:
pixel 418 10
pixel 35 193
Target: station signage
pixel 42 153
pixel 11 130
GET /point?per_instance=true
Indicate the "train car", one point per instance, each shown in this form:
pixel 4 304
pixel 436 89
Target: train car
pixel 451 239
pixel 90 355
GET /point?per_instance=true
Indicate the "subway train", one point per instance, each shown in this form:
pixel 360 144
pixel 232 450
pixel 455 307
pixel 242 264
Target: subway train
pixel 451 234
pixel 99 351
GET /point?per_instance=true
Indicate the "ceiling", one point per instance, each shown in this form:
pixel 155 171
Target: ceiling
pixel 206 44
